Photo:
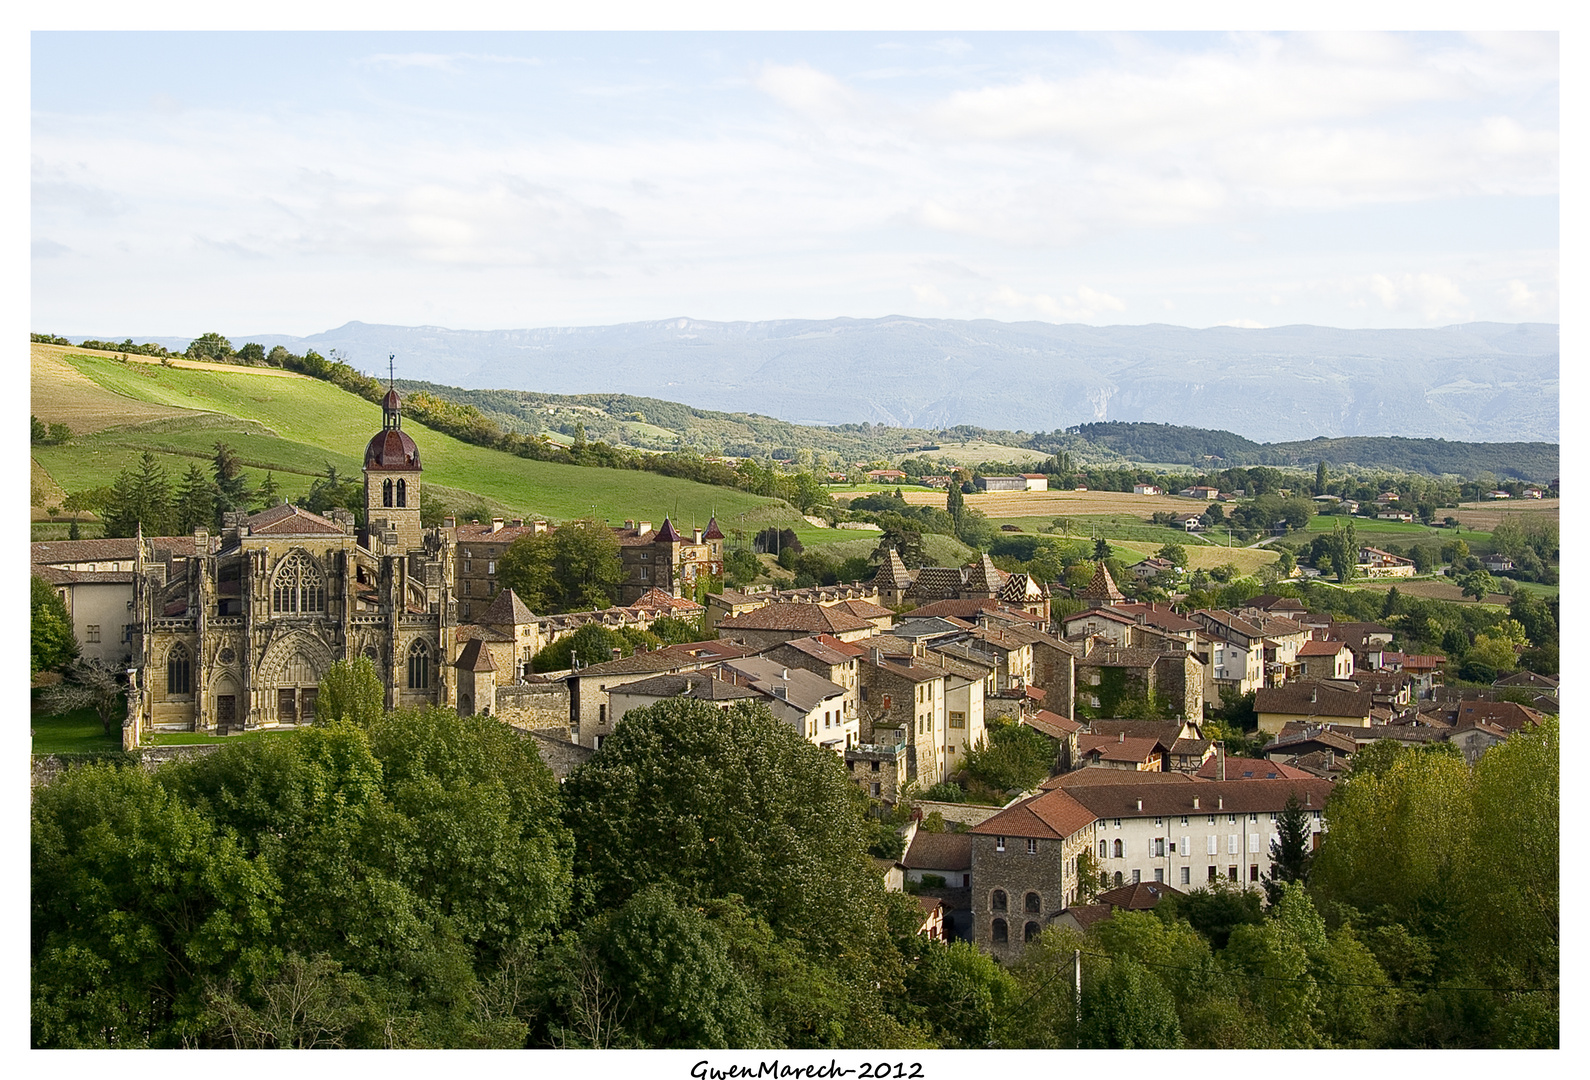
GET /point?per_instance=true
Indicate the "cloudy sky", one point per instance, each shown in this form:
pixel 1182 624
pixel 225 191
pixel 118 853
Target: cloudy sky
pixel 288 183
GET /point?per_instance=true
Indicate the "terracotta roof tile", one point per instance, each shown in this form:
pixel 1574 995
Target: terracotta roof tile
pixel 1052 815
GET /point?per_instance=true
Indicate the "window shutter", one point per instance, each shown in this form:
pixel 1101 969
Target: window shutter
pixel 1213 848
pixel 1253 842
pixel 1186 845
pixel 1231 844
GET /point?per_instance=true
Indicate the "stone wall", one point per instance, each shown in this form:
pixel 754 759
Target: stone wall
pixel 965 813
pixel 46 768
pixel 560 755
pixel 534 706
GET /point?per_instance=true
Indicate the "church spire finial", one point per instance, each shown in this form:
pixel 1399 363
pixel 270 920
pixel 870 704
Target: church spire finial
pixel 391 378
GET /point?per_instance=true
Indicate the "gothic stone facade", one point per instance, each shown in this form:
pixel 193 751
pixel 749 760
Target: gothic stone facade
pixel 238 635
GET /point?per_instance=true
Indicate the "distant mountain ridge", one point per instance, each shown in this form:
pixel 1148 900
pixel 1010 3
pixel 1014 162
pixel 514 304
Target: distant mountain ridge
pixel 1484 382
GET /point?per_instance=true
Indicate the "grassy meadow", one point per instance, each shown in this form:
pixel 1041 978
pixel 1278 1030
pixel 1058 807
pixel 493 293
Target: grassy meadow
pixel 295 426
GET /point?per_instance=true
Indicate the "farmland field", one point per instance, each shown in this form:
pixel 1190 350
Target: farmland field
pixel 1430 589
pixel 1053 504
pixel 61 394
pixel 295 426
pixel 976 451
pixel 1487 515
pixel 1205 557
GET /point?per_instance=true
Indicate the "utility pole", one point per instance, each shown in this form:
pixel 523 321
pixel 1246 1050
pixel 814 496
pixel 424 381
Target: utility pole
pixel 1076 982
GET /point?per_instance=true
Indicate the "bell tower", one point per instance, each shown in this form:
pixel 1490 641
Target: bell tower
pixel 392 480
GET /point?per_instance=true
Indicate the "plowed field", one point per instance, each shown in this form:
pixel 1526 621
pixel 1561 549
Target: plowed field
pixel 1053 504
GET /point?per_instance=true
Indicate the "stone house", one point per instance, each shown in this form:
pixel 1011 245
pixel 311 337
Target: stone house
pixel 904 694
pixel 1325 660
pixel 774 624
pixel 946 854
pixel 1106 677
pixel 665 559
pixel 480 548
pixel 590 720
pixel 813 705
pixel 1131 754
pixel 1025 862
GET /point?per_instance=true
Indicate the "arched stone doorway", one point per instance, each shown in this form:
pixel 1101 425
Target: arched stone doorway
pixel 224 707
pixel 289 676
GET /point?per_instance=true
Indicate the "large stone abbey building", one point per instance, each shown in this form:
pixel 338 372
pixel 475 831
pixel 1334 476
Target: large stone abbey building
pixel 239 633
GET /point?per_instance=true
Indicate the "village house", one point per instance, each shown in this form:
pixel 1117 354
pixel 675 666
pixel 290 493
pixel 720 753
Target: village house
pixel 776 623
pixel 666 560
pixel 590 720
pixel 1108 677
pixel 94 579
pixel 946 855
pixel 1325 660
pixel 1311 701
pixel 1375 563
pixel 1190 834
pixel 1120 752
pixel 903 700
pixel 1025 862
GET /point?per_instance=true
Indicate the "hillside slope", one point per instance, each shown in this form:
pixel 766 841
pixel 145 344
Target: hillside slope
pixel 296 426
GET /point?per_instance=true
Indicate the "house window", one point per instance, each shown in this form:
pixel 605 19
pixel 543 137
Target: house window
pixel 600 739
pixel 1032 846
pixel 1272 815
pixel 1253 872
pixel 957 719
pixel 179 670
pixel 1184 819
pixel 1118 881
pixel 1159 874
pixel 1212 874
pixel 297 587
pixel 1117 823
pixel 1032 903
pixel 1253 817
pixel 1159 847
pixel 1231 819
pixel 888 701
pixel 1186 875
pixel 601 714
pixel 1231 873
pixel 877 789
pixel 874 766
pixel 93 633
pixel 420 665
pixel 1031 931
pixel 1104 849
pixel 998 901
pixel 1211 819
pixel 1118 852
pixel 1137 876
pixel 1001 932
pixel 999 845
pixel 1159 823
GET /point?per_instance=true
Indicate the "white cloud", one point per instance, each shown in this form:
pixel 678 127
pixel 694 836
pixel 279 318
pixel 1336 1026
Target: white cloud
pixel 1243 324
pixel 930 295
pixel 1435 297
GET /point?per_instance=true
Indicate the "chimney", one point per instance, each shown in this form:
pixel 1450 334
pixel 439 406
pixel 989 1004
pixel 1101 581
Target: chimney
pixel 877 657
pixel 1195 802
pixel 916 647
pixel 1220 753
pixel 643 527
pixel 781 692
pixel 618 654
pixel 1313 696
pixel 1120 736
pixel 783 673
pixel 496 524
pixel 449 523
pixel 1308 798
pixel 629 523
pixel 1140 804
pixel 695 536
pixel 518 523
pixel 538 527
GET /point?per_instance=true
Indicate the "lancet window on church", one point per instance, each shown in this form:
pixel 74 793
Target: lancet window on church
pixel 179 670
pixel 298 587
pixel 420 665
pixel 403 493
pixel 386 493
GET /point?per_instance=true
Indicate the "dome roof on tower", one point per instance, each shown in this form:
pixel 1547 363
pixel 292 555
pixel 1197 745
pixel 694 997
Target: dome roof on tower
pixel 392 450
pixel 391 401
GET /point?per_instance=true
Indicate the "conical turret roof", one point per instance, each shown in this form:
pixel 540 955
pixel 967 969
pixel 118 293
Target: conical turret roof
pixel 1101 591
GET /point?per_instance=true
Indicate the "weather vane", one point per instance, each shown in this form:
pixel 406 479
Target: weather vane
pixel 390 378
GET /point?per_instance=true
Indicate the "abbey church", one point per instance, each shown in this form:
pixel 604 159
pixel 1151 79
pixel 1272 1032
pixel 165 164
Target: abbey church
pixel 238 634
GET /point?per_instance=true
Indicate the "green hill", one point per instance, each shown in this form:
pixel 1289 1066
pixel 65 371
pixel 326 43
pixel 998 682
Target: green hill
pixel 295 426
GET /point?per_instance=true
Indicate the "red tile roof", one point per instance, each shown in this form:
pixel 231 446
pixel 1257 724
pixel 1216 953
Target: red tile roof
pixel 1241 768
pixel 285 519
pixel 1053 815
pixel 802 618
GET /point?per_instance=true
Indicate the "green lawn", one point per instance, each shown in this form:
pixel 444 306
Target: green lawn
pixel 189 738
pixel 72 733
pixel 296 426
